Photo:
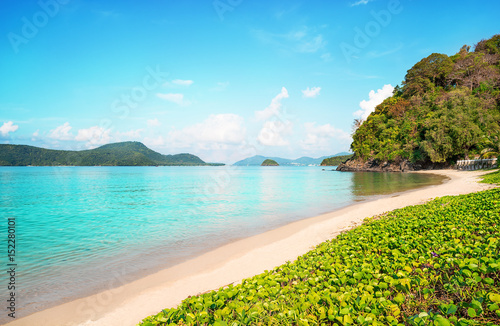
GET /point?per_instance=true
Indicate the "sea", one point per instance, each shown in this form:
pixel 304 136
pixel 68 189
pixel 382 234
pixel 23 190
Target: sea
pixel 75 228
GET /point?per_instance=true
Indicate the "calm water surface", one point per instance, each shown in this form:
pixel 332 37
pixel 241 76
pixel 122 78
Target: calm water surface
pixel 77 227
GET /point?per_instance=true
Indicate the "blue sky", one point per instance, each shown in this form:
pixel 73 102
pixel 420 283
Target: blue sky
pixel 223 79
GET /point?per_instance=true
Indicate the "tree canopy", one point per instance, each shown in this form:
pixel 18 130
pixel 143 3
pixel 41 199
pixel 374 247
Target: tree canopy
pixel 448 108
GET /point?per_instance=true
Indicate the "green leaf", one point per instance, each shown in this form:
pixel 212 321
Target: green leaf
pixel 494 297
pixel 400 298
pixel 471 312
pixel 451 309
pixel 488 281
pixel 441 321
pixel 423 315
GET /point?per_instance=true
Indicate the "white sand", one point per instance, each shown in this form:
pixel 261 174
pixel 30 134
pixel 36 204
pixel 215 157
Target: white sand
pixel 127 304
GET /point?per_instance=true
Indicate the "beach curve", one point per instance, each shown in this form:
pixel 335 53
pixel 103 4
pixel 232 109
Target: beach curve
pixel 128 304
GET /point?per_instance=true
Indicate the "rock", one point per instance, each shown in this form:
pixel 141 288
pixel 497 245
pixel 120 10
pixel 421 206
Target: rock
pixel 374 165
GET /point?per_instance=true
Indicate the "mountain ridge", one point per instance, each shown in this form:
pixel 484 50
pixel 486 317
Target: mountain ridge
pixel 256 160
pixel 129 153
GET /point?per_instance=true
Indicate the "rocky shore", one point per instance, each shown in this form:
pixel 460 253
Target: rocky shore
pixel 374 165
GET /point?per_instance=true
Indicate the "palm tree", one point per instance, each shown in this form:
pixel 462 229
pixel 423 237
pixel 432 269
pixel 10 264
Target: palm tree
pixel 491 147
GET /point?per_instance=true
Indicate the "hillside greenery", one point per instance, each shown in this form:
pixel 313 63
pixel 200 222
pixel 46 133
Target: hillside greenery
pixel 447 109
pixel 336 160
pixel 492 178
pixel 431 264
pixel 269 162
pixel 117 154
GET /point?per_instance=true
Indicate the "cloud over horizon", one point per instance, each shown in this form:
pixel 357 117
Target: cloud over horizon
pixel 321 137
pixel 94 136
pixel 62 132
pixel 7 128
pixel 375 98
pixel 176 98
pixel 274 109
pixel 311 92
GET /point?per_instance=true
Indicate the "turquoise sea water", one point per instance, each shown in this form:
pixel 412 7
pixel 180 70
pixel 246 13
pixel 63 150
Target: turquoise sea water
pixel 76 227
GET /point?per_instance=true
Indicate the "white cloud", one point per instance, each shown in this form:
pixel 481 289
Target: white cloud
pixel 375 98
pixel 94 136
pixel 313 92
pixel 154 142
pixel 273 132
pixel 153 122
pixel 311 45
pixel 8 127
pixel 35 135
pixel 215 132
pixel 274 109
pixel 62 132
pixel 131 135
pixel 174 97
pixel 221 86
pixel 360 2
pixel 322 137
pixel 182 82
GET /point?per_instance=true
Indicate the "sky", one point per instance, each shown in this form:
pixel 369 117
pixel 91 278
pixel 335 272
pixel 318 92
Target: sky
pixel 221 79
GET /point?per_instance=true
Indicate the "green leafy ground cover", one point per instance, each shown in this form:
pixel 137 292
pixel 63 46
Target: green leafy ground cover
pixel 432 264
pixel 493 177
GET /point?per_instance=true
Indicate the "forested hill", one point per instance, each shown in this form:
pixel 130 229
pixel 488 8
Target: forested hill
pixel 336 160
pixel 448 108
pixel 117 154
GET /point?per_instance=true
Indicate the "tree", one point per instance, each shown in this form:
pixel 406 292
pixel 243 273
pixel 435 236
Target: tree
pixel 427 74
pixel 491 147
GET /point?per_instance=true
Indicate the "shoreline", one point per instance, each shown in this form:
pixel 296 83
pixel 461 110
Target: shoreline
pixel 128 303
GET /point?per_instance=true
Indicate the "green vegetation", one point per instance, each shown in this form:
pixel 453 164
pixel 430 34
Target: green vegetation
pixel 269 162
pixel 493 177
pixel 432 264
pixel 447 109
pixel 336 160
pixel 118 154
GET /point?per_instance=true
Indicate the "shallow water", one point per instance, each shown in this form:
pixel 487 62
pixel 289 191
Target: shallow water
pixel 79 228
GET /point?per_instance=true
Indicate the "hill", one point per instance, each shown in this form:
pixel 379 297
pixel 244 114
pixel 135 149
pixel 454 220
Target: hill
pixel 269 162
pixel 117 154
pixel 302 161
pixel 447 109
pixel 336 160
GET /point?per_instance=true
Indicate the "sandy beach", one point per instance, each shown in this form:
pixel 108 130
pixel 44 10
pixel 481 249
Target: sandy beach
pixel 127 304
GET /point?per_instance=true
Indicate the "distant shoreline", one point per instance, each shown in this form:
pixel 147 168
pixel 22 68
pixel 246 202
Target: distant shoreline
pixel 129 303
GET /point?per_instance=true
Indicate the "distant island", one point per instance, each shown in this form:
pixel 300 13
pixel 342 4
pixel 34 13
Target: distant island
pixel 302 161
pixel 116 154
pixel 447 109
pixel 269 162
pixel 336 160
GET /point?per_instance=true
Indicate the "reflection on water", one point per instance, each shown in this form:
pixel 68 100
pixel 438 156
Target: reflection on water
pixel 383 183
